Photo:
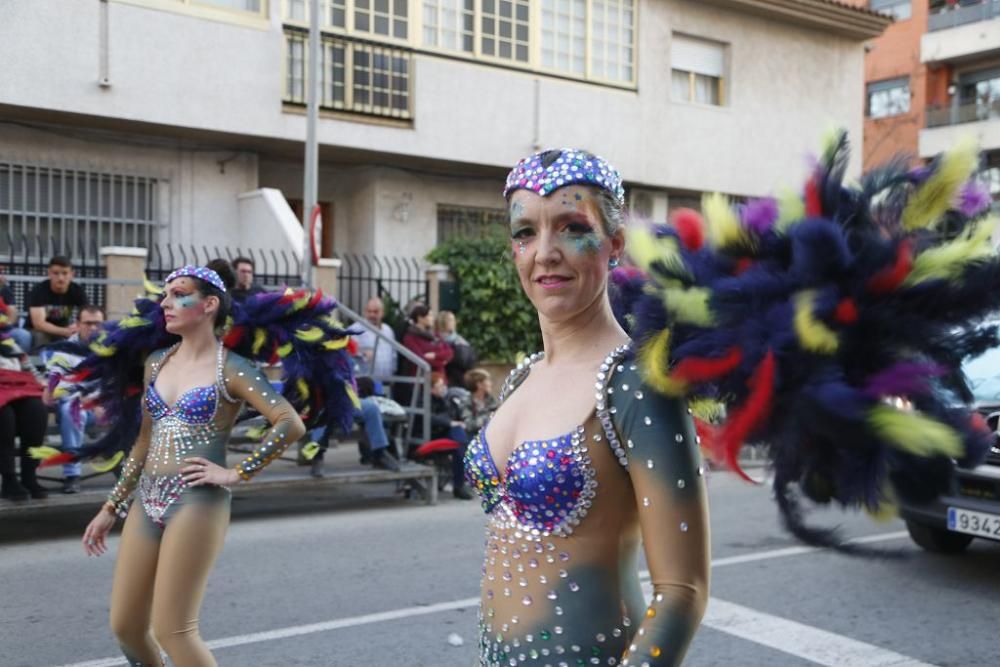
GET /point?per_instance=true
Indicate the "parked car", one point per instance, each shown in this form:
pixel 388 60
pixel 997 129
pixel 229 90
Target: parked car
pixel 971 508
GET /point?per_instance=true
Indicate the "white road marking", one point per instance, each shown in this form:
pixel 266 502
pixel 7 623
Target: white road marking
pixel 802 641
pixel 723 616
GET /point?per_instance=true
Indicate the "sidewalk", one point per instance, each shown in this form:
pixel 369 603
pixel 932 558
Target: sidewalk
pixel 341 467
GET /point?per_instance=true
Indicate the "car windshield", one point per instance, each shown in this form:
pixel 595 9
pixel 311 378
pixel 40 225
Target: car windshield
pixel 984 376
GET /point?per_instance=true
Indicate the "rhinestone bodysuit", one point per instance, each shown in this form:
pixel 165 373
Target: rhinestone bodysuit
pixel 560 583
pixel 198 424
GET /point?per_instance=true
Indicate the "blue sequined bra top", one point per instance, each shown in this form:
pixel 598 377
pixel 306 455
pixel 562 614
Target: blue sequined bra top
pixel 194 406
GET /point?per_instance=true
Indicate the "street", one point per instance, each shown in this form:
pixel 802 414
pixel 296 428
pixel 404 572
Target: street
pixel 360 578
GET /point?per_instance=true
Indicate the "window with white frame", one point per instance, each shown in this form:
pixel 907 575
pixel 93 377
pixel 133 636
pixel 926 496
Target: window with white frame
pixel 450 24
pixel 504 29
pixel 295 10
pixel 564 36
pixel 698 70
pixel 889 98
pixel 897 9
pixel 355 76
pixel 612 48
pixel 241 5
pixel 380 17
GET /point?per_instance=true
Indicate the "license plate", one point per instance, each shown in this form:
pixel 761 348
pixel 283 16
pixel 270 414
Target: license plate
pixel 980 524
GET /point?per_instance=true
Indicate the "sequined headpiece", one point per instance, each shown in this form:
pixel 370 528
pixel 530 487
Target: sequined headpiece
pixel 572 167
pixel 200 272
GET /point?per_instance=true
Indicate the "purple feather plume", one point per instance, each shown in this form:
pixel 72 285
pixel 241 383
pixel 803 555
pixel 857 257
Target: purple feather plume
pixel 974 199
pixel 903 379
pixel 760 215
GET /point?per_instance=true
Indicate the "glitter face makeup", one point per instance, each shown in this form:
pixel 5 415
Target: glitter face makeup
pixel 181 304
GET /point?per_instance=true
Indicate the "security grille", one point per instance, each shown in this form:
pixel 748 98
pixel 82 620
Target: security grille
pixel 469 221
pixel 75 211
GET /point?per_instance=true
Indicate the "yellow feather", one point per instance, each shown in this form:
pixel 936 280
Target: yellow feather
pixel 887 508
pixel 285 350
pixel 707 410
pixel 947 261
pixel 102 350
pixel 151 287
pixel 310 450
pixel 353 395
pixel 723 226
pixel 914 433
pixel 335 344
pixel 645 248
pixel 310 335
pixel 259 338
pixel 107 465
pixel 303 388
pixel 813 334
pixel 131 322
pixel 654 357
pixel 43 452
pixel 937 194
pixel 791 209
pixel 689 305
pixel 300 303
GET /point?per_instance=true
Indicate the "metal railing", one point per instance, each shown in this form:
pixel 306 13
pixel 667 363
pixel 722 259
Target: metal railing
pixel 396 279
pixel 272 268
pixel 963 113
pixel 952 16
pixel 420 394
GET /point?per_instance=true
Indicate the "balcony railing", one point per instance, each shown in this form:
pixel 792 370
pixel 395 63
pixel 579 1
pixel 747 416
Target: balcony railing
pixel 952 16
pixel 356 76
pixel 965 113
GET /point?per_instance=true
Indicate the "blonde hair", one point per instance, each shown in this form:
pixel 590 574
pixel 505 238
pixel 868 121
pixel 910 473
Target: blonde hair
pixel 442 319
pixel 474 376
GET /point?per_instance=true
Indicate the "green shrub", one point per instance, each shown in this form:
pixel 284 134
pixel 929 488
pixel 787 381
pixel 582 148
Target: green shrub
pixel 495 316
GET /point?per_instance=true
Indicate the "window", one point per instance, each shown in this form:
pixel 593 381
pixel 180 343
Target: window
pixel 504 25
pixel 469 221
pixel 564 36
pixel 697 70
pixel 980 93
pixel 612 27
pixel 357 77
pixel 386 18
pixel 254 6
pixel 889 98
pixel 450 24
pixel 897 9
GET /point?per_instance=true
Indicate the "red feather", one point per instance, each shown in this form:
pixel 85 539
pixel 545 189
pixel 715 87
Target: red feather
pixel 234 337
pixel 700 369
pixel 316 298
pixel 847 312
pixel 892 277
pixel 291 296
pixel 742 264
pixel 81 375
pixel 814 207
pixel 352 347
pixel 64 457
pixel 745 418
pixel 690 228
pixel 132 390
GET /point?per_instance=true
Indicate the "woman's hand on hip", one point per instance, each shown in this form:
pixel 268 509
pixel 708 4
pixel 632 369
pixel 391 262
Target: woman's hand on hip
pixel 200 471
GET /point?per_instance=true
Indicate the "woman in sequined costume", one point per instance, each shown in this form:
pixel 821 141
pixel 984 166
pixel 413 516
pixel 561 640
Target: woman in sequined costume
pixel 581 463
pixel 172 536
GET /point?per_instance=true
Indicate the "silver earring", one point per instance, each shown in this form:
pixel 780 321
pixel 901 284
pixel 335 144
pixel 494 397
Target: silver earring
pixel 613 263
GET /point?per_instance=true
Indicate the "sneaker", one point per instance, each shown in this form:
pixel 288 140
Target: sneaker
pixel 71 485
pixel 462 493
pixel 382 459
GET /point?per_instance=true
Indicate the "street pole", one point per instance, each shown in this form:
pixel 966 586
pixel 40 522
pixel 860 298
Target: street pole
pixel 312 150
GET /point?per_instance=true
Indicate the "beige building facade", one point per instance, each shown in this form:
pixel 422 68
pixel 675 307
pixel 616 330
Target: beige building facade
pixel 188 115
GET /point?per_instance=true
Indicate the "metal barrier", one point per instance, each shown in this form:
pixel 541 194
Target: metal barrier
pixel 964 13
pixel 361 277
pixel 24 261
pixel 420 399
pixel 272 268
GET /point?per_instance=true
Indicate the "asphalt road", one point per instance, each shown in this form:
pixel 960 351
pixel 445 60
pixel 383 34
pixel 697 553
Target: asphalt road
pixel 359 577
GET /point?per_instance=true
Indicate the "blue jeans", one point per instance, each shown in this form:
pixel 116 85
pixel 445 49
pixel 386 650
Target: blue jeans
pixel 458 434
pixel 72 437
pixel 22 337
pixel 371 417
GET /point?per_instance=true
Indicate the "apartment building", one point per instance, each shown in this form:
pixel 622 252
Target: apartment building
pixel 138 122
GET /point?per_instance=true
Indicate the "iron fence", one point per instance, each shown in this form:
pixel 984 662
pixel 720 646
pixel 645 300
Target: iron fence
pixel 396 280
pixel 272 268
pixel 24 261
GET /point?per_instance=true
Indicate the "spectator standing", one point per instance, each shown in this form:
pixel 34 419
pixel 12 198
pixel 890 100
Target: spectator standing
pixel 377 353
pixel 245 285
pixel 52 303
pixel 422 341
pixel 447 422
pixel 463 355
pixel 73 421
pixel 21 336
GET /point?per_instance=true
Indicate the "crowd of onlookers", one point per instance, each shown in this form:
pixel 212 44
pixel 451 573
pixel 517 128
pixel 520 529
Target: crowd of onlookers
pixel 57 311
